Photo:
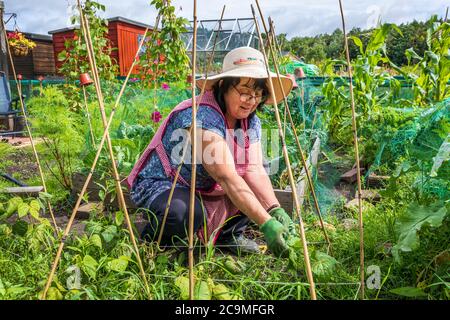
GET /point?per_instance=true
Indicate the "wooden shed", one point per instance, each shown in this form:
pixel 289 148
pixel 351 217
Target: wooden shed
pixel 39 62
pixel 124 34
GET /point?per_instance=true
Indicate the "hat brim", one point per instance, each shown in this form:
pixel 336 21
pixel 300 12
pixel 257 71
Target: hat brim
pixel 252 72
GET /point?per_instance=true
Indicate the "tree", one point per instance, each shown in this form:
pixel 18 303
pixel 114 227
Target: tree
pixel 331 46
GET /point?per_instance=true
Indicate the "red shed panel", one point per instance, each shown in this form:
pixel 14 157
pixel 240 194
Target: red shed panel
pixel 123 34
pixel 128 43
pixel 58 44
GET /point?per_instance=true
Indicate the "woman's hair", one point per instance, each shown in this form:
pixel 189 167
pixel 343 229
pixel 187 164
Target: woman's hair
pixel 223 85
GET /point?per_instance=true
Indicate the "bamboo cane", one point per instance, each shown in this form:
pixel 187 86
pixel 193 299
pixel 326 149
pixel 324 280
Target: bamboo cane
pixel 278 55
pixel 85 25
pixel 275 41
pixel 302 155
pixel 175 179
pixel 288 165
pixel 25 119
pixel 355 141
pixel 88 115
pixel 302 95
pixel 91 172
pixel 194 161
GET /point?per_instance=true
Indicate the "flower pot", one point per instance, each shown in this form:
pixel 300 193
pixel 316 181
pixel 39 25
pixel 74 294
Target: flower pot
pixel 20 51
pixel 85 79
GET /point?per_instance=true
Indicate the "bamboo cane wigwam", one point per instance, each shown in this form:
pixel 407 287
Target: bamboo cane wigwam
pixel 302 156
pixel 202 91
pixel 194 161
pixel 22 107
pixel 100 147
pixel 355 141
pixel 288 165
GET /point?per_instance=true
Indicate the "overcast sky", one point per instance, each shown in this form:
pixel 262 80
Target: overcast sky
pixel 294 17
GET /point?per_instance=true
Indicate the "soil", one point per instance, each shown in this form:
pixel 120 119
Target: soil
pixel 23 165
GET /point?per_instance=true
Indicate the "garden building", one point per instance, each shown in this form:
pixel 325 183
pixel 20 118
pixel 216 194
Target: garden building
pixel 123 33
pixel 39 62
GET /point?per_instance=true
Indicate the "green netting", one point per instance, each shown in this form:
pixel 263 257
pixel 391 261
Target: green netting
pixel 420 137
pixel 416 145
pixel 310 70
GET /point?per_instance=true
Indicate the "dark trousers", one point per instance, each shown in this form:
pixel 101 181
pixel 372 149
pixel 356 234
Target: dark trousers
pixel 177 222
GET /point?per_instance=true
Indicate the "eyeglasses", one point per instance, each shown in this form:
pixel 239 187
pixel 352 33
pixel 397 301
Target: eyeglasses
pixel 246 97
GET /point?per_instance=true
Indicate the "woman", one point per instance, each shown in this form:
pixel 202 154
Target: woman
pixel 233 186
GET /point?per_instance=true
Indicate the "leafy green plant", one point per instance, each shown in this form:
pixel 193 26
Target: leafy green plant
pixel 75 60
pixel 60 133
pixel 165 58
pixel 368 79
pixel 411 222
pixel 75 56
pixel 433 68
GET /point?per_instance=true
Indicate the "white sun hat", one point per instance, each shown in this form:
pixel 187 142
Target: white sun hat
pixel 247 62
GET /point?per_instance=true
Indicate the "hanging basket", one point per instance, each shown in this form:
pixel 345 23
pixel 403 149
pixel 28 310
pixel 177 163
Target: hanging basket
pixel 20 51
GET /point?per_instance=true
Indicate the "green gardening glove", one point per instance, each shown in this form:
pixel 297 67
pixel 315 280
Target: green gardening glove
pixel 281 216
pixel 275 234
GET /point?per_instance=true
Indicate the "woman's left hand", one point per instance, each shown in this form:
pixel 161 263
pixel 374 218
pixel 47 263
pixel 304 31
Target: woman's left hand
pixel 281 216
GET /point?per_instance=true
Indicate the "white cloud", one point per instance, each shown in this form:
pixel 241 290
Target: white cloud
pixel 294 17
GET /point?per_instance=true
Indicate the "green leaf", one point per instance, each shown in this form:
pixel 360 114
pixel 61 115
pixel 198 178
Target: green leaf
pixel 119 265
pixel 54 294
pixel 183 284
pixel 222 292
pixel 202 291
pixel 231 265
pixel 34 208
pixel 93 227
pixel 109 233
pixel 403 167
pixel 34 213
pixel 62 55
pixel 411 54
pixel 13 204
pixel 323 265
pixel 5 230
pixel 90 266
pixel 359 43
pixel 118 219
pixel 412 221
pixel 409 292
pixel 96 240
pixel 35 204
pixel 22 209
pixel 442 156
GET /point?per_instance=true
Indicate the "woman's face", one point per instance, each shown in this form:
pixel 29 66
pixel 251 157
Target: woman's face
pixel 242 99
